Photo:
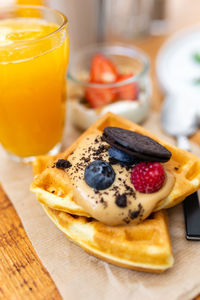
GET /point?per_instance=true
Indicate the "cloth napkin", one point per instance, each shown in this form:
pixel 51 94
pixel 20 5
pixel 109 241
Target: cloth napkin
pixel 78 275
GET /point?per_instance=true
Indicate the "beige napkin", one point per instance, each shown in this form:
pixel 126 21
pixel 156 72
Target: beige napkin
pixel 80 276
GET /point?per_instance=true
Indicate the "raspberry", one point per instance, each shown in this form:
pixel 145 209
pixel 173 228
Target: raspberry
pixel 148 177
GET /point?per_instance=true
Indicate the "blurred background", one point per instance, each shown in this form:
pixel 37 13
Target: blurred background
pixel 92 20
pixel 141 23
pixel 144 24
pixel 130 20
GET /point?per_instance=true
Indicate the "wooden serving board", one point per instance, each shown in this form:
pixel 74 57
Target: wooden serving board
pixel 22 275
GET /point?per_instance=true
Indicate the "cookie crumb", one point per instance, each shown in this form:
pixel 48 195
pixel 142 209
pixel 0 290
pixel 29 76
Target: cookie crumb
pixel 63 164
pixel 121 200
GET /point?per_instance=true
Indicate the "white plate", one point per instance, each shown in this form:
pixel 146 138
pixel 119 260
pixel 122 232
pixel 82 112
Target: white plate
pixel 175 66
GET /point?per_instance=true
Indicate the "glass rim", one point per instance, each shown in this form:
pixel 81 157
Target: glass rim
pixel 40 7
pixel 144 58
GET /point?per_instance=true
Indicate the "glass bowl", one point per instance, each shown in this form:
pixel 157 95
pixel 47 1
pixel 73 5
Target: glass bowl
pixel 128 60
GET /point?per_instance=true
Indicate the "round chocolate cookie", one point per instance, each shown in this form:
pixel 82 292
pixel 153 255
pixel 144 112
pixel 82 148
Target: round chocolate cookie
pixel 136 144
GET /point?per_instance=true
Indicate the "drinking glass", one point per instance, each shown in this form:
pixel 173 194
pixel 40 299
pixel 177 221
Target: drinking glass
pixel 136 88
pixel 33 60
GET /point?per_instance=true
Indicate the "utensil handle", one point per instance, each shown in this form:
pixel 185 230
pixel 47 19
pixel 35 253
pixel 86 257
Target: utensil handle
pixel 183 142
pixel 191 203
pixel 192 216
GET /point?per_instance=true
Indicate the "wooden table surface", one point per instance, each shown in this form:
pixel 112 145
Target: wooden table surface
pixel 22 275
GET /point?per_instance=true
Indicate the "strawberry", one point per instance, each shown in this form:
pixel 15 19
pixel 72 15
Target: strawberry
pixel 102 70
pixel 128 91
pixel 98 97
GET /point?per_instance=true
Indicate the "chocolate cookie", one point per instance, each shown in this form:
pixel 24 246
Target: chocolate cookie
pixel 136 144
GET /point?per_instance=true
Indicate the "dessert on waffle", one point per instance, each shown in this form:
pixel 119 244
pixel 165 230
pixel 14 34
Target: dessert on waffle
pixel 102 190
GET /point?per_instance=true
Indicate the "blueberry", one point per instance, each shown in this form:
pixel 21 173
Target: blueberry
pixel 99 175
pixel 121 156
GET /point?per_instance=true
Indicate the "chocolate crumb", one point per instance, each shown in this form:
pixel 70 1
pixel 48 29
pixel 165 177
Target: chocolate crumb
pixel 176 168
pixel 121 200
pixel 126 220
pixel 63 164
pixel 134 214
pixel 85 159
pixel 101 149
pixel 105 204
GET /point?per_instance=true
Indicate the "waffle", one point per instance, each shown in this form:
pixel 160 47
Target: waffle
pixel 145 247
pixel 52 186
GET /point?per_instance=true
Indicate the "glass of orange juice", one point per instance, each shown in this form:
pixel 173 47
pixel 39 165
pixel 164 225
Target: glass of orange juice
pixel 33 61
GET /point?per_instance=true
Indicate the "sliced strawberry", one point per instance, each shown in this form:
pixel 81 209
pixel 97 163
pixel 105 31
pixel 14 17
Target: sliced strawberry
pixel 98 97
pixel 128 91
pixel 102 70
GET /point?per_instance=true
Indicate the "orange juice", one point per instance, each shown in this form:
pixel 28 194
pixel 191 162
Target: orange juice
pixel 33 61
pixel 31 2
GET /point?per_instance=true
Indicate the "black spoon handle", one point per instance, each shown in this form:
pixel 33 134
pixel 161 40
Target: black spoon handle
pixel 191 206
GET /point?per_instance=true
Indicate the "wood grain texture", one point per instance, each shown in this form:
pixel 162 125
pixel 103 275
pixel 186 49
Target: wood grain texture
pixel 22 275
